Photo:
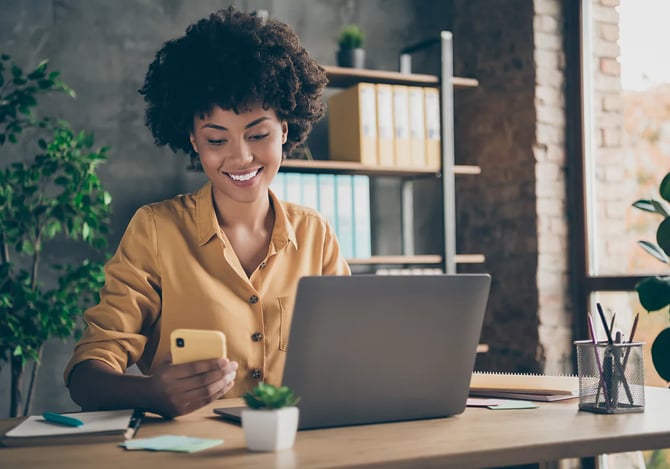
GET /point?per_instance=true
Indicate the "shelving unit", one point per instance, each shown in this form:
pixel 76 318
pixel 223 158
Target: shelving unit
pixel 345 77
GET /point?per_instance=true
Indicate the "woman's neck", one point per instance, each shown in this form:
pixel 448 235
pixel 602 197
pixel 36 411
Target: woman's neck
pixel 251 216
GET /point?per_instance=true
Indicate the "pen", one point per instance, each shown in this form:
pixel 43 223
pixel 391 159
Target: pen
pixel 617 363
pixel 62 419
pixel 601 382
pixel 630 340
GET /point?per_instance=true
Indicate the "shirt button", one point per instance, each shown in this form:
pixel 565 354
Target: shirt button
pixel 253 299
pixel 256 373
pixel 257 337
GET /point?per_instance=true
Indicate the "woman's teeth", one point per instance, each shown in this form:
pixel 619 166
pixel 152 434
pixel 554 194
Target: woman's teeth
pixel 243 177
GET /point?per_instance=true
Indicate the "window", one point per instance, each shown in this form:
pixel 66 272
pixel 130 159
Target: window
pixel 625 152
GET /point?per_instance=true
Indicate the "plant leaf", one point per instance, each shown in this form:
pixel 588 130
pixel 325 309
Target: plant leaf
pixel 645 204
pixel 663 235
pixel 654 250
pixel 654 293
pixel 660 207
pixel 664 188
pixel 660 354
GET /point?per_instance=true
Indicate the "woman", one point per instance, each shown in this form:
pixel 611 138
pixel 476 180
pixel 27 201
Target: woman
pixel 238 93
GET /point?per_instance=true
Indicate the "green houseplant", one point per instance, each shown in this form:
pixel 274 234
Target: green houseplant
pixel 351 52
pixel 270 421
pixel 53 194
pixel 654 292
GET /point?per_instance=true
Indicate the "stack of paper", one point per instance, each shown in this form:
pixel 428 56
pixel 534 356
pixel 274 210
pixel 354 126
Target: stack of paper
pixel 524 386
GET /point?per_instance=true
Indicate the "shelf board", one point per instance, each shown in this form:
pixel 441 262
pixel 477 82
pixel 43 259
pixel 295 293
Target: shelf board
pixel 470 258
pixel 343 77
pixel 422 259
pixel 428 259
pixel 350 167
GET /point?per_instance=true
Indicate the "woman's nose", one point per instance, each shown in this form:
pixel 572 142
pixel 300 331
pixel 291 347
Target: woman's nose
pixel 241 151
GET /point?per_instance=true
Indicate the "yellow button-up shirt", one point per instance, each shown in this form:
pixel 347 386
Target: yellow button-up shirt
pixel 175 268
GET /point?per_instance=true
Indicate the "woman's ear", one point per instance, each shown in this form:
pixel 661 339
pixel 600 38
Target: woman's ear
pixel 193 144
pixel 284 132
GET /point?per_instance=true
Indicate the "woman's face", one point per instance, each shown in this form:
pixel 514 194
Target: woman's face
pixel 240 153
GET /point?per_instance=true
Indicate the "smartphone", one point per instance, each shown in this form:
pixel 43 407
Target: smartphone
pixel 188 345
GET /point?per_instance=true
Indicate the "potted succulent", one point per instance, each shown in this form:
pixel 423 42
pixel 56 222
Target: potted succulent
pixel 654 292
pixel 270 421
pixel 351 52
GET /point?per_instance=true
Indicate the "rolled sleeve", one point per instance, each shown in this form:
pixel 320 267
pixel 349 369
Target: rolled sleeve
pixel 130 302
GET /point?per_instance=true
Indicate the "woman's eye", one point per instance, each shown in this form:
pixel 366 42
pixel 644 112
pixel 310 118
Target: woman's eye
pixel 216 142
pixel 259 137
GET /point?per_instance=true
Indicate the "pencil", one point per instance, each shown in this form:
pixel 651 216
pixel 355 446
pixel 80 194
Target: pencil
pixel 601 381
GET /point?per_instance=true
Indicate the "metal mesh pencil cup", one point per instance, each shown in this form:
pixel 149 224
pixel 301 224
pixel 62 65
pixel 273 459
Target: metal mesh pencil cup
pixel 611 377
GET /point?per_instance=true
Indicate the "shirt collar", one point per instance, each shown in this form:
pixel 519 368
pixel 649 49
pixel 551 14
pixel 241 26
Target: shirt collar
pixel 205 214
pixel 208 226
pixel 283 231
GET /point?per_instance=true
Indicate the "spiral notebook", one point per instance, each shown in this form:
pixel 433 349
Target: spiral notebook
pixel 531 387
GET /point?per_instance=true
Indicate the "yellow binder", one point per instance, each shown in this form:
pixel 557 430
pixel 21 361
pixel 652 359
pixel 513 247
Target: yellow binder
pixel 352 125
pixel 385 145
pixel 401 126
pixel 417 127
pixel 432 113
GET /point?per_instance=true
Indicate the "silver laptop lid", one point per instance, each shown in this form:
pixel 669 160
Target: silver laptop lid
pixel 373 348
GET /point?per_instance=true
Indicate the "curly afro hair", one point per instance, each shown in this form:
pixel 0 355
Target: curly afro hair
pixel 233 60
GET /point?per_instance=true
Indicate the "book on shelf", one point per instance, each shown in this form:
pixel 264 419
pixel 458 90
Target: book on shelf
pixel 310 191
pixel 345 214
pixel 531 387
pixel 362 234
pixel 401 144
pixel 293 188
pixel 98 427
pixel 278 186
pixel 352 125
pixel 417 127
pixel 327 199
pixel 385 152
pixel 432 121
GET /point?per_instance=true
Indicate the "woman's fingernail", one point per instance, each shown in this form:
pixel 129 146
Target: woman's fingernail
pixel 229 377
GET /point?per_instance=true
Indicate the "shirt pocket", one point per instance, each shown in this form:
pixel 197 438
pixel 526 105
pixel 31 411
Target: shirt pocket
pixel 285 316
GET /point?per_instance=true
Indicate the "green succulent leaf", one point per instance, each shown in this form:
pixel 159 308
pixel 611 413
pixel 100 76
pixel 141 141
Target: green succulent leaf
pixel 664 188
pixel 654 250
pixel 654 293
pixel 267 396
pixel 660 354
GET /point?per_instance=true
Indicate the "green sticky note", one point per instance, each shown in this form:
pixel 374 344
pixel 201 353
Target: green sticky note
pixel 177 443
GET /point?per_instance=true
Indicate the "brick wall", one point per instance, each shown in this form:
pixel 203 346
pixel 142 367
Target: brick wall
pixel 613 192
pixel 513 126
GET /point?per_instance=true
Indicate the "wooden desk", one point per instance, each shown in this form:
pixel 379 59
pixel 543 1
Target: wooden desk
pixel 476 438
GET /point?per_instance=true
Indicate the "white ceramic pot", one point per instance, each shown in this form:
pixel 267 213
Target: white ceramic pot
pixel 270 430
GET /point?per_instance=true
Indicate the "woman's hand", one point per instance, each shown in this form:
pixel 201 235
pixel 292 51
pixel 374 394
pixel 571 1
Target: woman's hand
pixel 181 389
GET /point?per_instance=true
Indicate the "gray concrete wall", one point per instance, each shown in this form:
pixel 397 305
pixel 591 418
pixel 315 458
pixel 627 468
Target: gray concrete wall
pixel 103 49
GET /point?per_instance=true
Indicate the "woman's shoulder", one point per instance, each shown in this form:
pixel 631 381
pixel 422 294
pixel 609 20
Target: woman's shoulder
pixel 299 213
pixel 174 208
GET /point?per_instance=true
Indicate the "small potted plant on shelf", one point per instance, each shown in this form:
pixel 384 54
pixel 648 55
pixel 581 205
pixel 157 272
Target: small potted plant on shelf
pixel 351 52
pixel 270 422
pixel 654 292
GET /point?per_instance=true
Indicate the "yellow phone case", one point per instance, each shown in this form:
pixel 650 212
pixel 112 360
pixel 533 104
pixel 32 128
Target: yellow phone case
pixel 188 345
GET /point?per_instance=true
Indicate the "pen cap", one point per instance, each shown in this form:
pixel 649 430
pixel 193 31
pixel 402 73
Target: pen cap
pixel 611 376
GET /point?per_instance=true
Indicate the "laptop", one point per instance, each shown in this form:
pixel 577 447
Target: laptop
pixel 382 348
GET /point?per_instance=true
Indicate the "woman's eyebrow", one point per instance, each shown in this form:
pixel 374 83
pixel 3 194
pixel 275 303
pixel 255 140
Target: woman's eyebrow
pixel 250 124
